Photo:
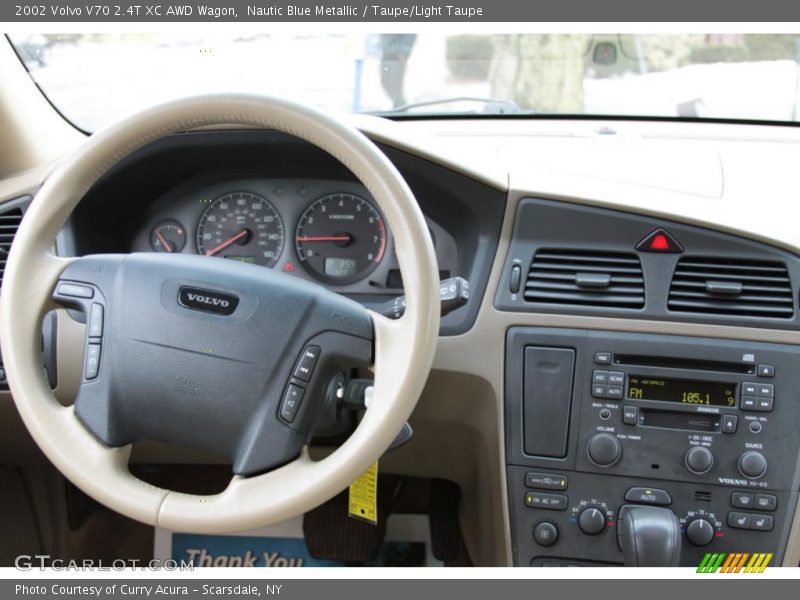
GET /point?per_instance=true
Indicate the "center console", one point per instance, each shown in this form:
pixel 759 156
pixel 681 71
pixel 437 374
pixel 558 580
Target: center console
pixel 598 423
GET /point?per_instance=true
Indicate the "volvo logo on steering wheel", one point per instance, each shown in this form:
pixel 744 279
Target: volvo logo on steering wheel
pixel 207 300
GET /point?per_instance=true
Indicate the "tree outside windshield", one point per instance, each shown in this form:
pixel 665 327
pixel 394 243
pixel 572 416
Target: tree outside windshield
pixel 96 78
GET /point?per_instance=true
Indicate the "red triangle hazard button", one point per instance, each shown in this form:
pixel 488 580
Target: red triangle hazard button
pixel 659 241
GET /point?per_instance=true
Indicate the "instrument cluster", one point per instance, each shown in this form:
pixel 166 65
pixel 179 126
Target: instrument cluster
pixel 328 231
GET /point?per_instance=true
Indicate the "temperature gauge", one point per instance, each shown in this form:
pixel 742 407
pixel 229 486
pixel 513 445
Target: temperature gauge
pixel 168 236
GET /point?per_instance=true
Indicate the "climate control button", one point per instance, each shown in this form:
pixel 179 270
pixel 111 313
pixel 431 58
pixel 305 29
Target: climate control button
pixel 752 464
pixel 604 449
pixel 699 460
pixel 700 532
pixel 591 521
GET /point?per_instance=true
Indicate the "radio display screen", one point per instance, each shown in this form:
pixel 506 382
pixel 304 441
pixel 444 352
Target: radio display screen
pixel 682 391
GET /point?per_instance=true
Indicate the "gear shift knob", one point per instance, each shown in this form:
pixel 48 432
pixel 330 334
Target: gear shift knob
pixel 649 536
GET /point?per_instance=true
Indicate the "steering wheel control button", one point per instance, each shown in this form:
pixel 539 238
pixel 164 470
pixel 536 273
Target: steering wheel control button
pixel 647 495
pixel 752 464
pixel 766 502
pixel 96 321
pixel 699 460
pixel 308 360
pixel 604 449
pixel 545 481
pixel 602 358
pixel 92 361
pixel 74 290
pixel 291 402
pixel 546 501
pixel 742 500
pixel 545 533
pixel 766 371
pixel 738 520
pixel 729 423
pixel 630 415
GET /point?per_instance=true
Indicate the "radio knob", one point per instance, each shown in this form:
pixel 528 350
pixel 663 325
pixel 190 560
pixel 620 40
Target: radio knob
pixel 699 460
pixel 700 532
pixel 591 521
pixel 752 464
pixel 604 449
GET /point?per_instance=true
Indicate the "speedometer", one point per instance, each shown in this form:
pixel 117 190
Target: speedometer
pixel 241 226
pixel 341 238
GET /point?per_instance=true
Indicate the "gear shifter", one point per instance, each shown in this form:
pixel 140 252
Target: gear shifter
pixel 649 536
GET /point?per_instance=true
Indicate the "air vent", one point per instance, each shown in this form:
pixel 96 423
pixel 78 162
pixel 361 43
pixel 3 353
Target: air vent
pixel 586 278
pixel 9 223
pixel 739 287
pixel 702 496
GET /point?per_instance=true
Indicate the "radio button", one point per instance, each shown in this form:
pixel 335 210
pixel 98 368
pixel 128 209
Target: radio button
pixel 644 495
pixel 765 390
pixel 614 392
pixel 729 423
pixel 748 403
pixel 630 415
pixel 741 500
pixel 738 520
pixel 599 391
pixel 749 388
pixel 616 378
pixel 766 371
pixel 766 502
pixel 764 404
pixel 752 464
pixel 600 377
pixel 699 460
pixel 602 358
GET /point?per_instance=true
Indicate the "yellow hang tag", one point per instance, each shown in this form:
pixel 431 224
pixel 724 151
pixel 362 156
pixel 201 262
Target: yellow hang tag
pixel 363 503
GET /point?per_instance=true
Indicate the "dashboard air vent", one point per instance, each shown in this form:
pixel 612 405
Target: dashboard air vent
pixel 586 278
pixel 730 286
pixel 9 223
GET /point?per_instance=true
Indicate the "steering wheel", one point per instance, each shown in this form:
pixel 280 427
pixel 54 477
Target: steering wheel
pixel 207 352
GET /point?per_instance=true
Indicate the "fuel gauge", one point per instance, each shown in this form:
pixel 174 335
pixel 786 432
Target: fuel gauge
pixel 168 236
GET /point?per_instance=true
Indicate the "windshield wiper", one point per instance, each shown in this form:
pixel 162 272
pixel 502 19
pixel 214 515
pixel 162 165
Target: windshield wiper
pixel 491 106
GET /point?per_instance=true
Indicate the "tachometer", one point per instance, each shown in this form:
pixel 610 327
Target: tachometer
pixel 341 238
pixel 241 226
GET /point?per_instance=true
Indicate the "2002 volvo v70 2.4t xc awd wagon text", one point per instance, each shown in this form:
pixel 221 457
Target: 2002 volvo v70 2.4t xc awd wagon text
pixel 548 282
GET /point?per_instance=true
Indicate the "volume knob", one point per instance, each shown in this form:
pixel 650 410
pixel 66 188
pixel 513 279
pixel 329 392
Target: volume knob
pixel 752 464
pixel 604 449
pixel 699 460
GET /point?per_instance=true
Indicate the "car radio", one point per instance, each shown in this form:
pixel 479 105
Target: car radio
pixel 706 428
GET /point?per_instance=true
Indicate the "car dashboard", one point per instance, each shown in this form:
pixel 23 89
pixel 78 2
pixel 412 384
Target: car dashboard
pixel 631 334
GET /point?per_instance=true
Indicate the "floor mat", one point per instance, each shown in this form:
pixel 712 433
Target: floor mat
pixel 407 543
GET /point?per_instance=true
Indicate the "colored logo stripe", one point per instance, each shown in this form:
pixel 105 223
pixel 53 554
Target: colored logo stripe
pixel 734 562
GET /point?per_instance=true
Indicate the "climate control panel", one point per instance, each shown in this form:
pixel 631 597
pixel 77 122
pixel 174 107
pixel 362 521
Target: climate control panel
pixel 596 421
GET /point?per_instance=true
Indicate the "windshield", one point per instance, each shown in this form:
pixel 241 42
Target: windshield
pixel 96 78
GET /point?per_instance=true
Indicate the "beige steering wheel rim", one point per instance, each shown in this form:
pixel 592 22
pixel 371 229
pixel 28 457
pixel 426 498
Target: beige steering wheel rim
pixel 404 348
